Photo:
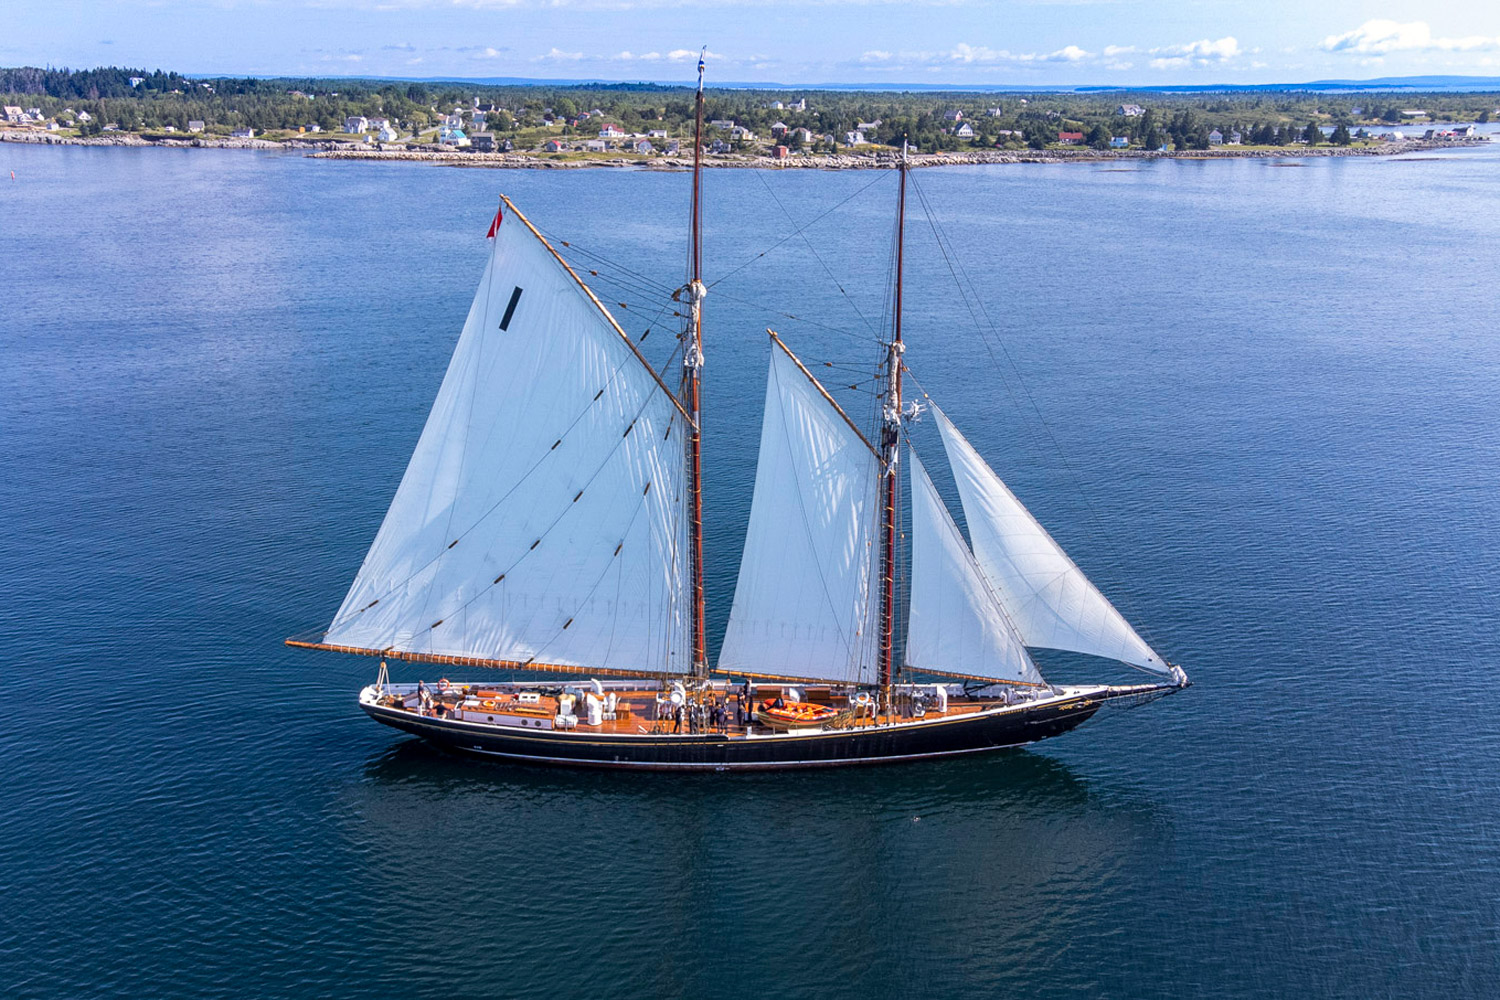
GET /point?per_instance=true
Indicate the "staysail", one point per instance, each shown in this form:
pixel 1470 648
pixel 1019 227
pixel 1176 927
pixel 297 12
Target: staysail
pixel 541 518
pixel 1045 595
pixel 956 624
pixel 803 606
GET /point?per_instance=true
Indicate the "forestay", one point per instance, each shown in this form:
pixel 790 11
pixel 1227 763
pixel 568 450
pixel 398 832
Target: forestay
pixel 1045 595
pixel 541 516
pixel 955 624
pixel 803 605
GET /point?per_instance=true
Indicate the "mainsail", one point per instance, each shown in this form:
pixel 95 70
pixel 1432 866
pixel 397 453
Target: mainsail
pixel 803 606
pixel 955 624
pixel 541 517
pixel 1045 595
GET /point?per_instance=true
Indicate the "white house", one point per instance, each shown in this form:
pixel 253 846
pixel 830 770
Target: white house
pixel 376 124
pixel 243 133
pixel 387 134
pixel 611 132
pixel 741 133
pixel 868 126
pixel 953 116
pixel 854 139
pixel 195 126
pixel 454 137
pixel 595 145
pixel 798 105
pixel 1130 110
pixel 722 123
pixel 13 114
pixel 354 126
pixel 1119 141
pixel 777 106
pixel 657 133
pixel 1216 138
pixel 801 135
pixel 964 131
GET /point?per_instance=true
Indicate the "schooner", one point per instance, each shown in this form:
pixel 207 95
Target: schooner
pixel 550 524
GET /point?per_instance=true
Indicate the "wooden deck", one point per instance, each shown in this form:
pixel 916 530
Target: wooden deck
pixel 636 710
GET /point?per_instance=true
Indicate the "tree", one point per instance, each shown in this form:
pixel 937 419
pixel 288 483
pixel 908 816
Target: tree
pixel 501 121
pixel 1393 115
pixel 1098 137
pixel 1341 136
pixel 1312 135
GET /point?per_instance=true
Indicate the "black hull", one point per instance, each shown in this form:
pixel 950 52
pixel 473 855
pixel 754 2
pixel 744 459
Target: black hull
pixel 965 734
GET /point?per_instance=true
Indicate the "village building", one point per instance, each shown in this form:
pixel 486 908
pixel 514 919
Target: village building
pixel 1119 141
pixel 1216 138
pixel 552 146
pixel 801 135
pixel 854 138
pixel 354 126
pixel 964 131
pixel 386 133
pixel 196 126
pixel 243 133
pixel 644 147
pixel 778 130
pixel 611 132
pixel 1070 138
pixel 780 152
pixel 1130 110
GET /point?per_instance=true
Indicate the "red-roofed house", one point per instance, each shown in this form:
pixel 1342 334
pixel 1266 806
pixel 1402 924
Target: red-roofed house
pixel 1070 138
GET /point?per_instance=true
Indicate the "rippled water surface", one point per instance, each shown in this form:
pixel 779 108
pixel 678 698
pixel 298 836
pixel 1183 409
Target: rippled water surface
pixel 1259 405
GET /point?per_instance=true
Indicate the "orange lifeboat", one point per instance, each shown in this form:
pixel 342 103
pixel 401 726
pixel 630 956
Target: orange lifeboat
pixel 792 714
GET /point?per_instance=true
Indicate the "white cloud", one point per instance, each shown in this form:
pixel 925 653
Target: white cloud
pixel 876 56
pixel 558 55
pixel 1204 52
pixel 1379 37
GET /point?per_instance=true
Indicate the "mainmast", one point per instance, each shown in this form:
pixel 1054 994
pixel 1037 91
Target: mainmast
pixel 692 364
pixel 890 454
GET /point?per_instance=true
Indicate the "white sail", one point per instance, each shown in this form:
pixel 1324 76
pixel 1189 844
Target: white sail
pixel 541 516
pixel 955 624
pixel 803 605
pixel 1045 595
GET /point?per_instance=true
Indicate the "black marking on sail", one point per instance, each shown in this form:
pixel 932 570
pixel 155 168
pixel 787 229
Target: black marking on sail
pixel 510 309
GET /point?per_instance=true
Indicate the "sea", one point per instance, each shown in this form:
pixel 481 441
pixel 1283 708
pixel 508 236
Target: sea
pixel 1258 400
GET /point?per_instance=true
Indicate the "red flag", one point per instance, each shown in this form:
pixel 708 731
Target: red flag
pixel 494 225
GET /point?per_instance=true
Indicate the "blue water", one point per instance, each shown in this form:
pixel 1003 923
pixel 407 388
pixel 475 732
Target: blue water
pixel 1260 402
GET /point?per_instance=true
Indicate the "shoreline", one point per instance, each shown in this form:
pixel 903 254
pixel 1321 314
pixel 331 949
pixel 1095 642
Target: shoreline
pixel 872 160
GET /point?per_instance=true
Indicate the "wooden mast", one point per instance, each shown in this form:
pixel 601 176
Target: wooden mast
pixel 692 364
pixel 890 449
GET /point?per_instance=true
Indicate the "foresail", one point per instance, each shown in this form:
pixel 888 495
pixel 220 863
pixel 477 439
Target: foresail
pixel 803 606
pixel 1045 595
pixel 541 516
pixel 955 624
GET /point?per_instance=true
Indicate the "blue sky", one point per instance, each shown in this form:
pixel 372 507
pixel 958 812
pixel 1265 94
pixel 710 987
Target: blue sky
pixel 1014 42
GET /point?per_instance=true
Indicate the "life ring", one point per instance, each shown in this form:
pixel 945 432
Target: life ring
pixel 487 704
pixel 444 686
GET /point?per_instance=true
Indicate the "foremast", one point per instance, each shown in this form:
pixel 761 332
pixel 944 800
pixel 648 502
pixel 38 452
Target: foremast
pixel 890 457
pixel 692 367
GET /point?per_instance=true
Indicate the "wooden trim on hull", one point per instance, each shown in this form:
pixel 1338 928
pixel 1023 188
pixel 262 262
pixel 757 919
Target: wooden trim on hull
pixel 947 737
